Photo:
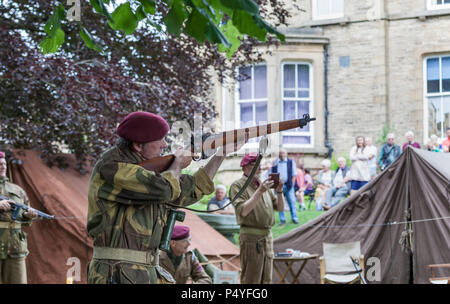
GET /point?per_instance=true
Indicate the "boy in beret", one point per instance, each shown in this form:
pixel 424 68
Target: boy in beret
pixel 127 208
pixel 182 263
pixel 13 241
pixel 255 215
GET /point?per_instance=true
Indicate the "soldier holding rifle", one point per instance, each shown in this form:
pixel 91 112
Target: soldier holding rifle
pixel 13 241
pixel 128 204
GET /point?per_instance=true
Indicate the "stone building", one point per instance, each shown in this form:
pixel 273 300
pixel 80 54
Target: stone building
pixel 358 66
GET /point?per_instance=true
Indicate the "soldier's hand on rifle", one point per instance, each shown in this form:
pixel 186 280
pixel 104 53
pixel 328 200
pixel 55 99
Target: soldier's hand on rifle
pixel 182 158
pixel 4 205
pixel 31 214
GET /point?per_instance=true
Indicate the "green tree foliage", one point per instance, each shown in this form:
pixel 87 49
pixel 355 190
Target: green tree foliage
pixel 221 22
pixel 75 98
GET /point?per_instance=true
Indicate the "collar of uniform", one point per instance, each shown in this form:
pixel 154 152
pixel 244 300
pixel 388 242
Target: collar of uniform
pixel 3 179
pixel 255 183
pixel 176 260
pixel 130 155
pixel 282 161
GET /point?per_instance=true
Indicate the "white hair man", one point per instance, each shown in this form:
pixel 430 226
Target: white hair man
pixel 220 200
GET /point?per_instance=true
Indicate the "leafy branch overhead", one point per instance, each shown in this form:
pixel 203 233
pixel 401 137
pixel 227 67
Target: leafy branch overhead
pixel 221 22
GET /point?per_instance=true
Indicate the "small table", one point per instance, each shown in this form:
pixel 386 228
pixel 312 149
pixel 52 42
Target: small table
pixel 289 261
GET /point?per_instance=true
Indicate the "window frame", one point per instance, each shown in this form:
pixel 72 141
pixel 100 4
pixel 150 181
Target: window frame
pixel 296 99
pixel 427 96
pixel 238 101
pixel 433 7
pixel 315 16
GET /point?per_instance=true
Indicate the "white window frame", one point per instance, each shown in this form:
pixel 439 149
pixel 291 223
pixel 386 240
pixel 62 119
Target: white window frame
pixel 431 6
pixel 238 101
pixel 315 16
pixel 427 95
pixel 311 108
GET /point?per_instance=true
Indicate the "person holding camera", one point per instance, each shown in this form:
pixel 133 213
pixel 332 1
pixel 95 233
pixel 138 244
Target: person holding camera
pixel 255 214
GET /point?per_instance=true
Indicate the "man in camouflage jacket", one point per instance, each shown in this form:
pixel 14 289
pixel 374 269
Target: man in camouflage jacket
pixel 13 241
pixel 128 204
pixel 182 263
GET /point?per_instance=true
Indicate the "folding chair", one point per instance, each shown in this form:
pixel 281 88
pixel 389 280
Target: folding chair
pixel 336 266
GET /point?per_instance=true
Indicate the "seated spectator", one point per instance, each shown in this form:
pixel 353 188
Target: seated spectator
pixel 324 181
pixel 340 187
pixel 389 152
pixel 220 200
pixel 372 157
pixel 446 143
pixel 432 144
pixel 359 173
pixel 410 141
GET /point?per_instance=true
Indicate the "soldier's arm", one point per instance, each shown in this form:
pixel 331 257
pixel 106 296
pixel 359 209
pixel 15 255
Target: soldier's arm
pixel 198 274
pixel 132 182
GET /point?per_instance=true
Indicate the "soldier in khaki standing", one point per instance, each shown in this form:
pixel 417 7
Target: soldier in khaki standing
pixel 182 263
pixel 13 241
pixel 128 209
pixel 255 214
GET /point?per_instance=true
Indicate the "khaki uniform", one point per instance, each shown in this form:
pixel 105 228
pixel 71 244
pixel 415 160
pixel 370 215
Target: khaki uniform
pixel 184 267
pixel 127 213
pixel 255 238
pixel 13 241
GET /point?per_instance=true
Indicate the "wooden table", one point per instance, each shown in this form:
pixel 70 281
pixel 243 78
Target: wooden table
pixel 289 261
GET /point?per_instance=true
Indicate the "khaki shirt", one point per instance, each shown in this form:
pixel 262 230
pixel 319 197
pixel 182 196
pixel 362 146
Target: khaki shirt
pixel 13 241
pixel 262 216
pixel 189 267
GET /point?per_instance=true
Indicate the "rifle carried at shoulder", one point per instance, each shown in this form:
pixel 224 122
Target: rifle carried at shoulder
pixel 162 163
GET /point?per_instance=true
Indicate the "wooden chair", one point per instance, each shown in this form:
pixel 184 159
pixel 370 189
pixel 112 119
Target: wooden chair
pixel 438 280
pixel 336 266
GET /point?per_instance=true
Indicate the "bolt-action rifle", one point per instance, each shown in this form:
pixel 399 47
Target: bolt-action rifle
pixel 208 144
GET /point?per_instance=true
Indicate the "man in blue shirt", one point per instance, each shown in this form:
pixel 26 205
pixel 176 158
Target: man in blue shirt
pixel 287 169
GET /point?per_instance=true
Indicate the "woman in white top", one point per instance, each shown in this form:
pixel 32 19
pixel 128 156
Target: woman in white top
pixel 372 150
pixel 359 173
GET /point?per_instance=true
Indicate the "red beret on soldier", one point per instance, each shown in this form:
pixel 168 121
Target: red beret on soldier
pixel 180 233
pixel 2 154
pixel 143 127
pixel 248 159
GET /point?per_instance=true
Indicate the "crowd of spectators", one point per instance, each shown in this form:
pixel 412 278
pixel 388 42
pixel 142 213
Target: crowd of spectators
pixel 330 187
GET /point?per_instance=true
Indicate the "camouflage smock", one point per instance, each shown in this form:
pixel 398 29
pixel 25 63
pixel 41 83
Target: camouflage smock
pixel 188 267
pixel 13 242
pixel 127 210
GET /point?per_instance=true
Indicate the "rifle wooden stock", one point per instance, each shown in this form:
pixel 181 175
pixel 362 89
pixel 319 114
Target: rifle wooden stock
pixel 162 163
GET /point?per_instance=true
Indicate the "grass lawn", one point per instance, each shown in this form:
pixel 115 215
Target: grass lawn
pixel 303 217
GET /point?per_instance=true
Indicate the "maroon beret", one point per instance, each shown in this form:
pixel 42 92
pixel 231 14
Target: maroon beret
pixel 2 154
pixel 180 233
pixel 143 127
pixel 248 159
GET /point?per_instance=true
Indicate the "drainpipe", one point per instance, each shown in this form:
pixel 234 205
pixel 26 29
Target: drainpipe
pixel 327 143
